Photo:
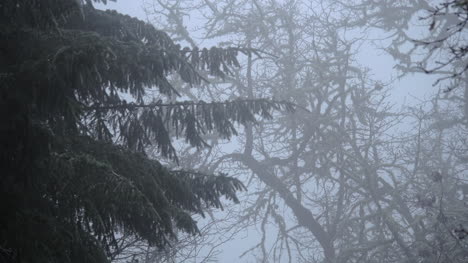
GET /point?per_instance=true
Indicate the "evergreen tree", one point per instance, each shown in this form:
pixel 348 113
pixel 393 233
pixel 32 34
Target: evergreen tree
pixel 75 123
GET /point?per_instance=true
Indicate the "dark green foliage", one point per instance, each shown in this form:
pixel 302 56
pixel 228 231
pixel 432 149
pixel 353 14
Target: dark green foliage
pixel 75 175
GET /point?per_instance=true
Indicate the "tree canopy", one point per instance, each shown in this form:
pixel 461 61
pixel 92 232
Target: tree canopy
pixel 76 119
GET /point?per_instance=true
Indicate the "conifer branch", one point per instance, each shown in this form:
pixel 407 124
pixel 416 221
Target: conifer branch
pixel 133 106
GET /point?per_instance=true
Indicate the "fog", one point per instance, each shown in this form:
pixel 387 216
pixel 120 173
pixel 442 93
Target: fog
pixel 356 150
pixel 348 177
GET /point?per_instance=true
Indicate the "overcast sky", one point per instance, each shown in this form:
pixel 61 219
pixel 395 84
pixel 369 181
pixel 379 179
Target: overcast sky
pixel 408 90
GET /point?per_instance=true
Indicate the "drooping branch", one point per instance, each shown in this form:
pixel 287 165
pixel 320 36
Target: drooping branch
pixel 140 125
pixel 288 106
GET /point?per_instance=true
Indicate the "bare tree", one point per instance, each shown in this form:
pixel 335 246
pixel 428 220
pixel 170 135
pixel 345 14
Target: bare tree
pixel 423 36
pixel 336 181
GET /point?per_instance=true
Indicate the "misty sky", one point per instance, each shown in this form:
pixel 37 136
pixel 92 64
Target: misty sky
pixel 408 90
